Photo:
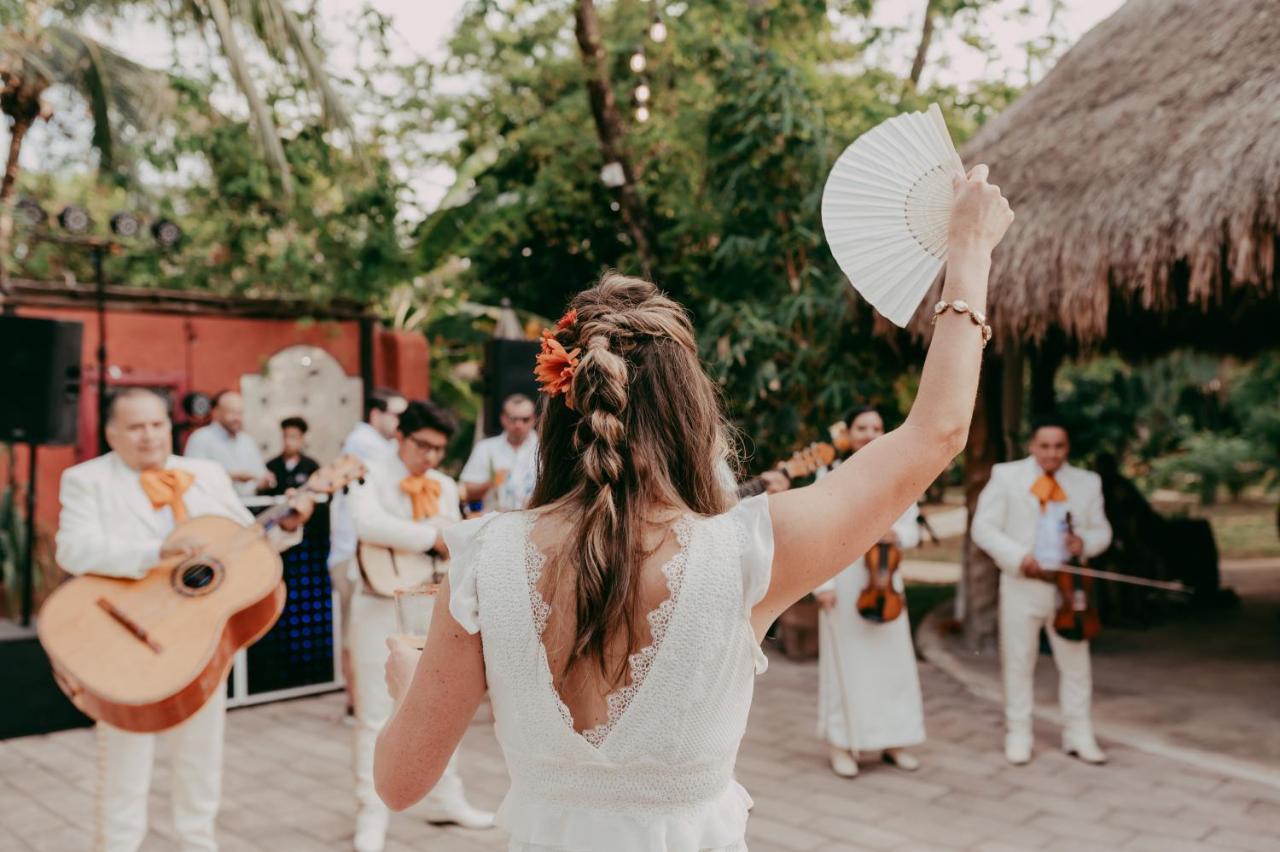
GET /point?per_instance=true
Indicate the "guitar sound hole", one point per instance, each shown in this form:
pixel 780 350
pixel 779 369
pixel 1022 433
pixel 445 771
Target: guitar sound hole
pixel 197 577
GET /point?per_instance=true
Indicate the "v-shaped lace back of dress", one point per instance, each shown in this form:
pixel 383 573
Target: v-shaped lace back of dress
pixel 639 664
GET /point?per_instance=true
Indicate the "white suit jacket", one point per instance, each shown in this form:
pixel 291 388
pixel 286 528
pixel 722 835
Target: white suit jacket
pixel 383 514
pixel 108 526
pixel 1004 523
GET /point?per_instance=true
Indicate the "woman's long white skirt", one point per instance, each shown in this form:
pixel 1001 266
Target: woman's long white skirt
pixel 868 686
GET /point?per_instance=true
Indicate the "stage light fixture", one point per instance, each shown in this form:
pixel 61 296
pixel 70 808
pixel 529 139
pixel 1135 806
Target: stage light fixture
pixel 31 212
pixel 166 233
pixel 74 220
pixel 125 225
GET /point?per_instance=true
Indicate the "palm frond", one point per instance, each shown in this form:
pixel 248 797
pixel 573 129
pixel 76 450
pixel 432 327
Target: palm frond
pixel 120 92
pixel 263 120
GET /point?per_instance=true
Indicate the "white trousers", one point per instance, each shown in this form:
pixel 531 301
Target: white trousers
pixel 1027 605
pixel 124 780
pixel 373 619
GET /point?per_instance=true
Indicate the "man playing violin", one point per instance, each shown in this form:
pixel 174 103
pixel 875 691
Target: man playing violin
pixel 1021 522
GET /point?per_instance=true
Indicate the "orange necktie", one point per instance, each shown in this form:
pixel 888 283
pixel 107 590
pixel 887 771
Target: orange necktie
pixel 165 488
pixel 424 494
pixel 1048 490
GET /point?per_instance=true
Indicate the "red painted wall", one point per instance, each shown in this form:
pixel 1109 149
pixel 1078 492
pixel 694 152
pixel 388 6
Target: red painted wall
pixel 206 354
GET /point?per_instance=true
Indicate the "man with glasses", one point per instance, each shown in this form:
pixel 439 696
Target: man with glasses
pixel 503 469
pixel 403 504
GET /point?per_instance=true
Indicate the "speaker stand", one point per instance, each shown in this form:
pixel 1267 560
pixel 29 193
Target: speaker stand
pixel 29 564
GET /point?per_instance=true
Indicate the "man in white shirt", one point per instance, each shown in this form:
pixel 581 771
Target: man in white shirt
pixel 225 442
pixel 1020 521
pixel 403 504
pixel 503 470
pixel 117 510
pixel 371 440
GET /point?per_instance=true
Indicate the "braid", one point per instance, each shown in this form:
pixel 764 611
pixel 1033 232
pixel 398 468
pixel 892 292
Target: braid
pixel 600 397
pixel 638 431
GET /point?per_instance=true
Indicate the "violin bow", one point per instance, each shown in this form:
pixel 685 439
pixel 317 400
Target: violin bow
pixel 1166 585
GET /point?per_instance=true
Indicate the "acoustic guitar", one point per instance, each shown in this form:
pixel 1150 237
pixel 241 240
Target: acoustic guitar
pixel 384 570
pixel 803 462
pixel 146 654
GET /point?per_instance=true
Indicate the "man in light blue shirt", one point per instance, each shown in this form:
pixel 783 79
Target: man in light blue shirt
pixel 225 442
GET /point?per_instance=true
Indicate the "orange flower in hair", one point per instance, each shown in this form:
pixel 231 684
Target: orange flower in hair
pixel 570 317
pixel 555 365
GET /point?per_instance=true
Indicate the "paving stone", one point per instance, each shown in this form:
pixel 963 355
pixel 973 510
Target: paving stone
pixel 287 786
pixel 1228 839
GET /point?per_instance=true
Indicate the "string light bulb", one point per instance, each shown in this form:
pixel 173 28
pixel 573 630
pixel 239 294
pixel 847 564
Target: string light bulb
pixel 642 93
pixel 658 32
pixel 638 62
pixel 642 114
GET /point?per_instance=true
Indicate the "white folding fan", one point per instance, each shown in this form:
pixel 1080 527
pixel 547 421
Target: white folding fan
pixel 886 210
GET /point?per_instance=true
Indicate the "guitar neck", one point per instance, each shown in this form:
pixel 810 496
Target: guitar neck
pixel 276 514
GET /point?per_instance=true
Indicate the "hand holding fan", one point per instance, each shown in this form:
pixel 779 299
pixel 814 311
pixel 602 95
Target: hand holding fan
pixel 886 210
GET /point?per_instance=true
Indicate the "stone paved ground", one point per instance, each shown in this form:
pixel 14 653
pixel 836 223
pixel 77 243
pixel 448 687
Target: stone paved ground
pixel 287 788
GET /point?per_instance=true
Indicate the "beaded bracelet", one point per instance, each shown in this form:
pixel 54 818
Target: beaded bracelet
pixel 962 307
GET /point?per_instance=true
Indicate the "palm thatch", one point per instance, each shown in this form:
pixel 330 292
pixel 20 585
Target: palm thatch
pixel 1144 170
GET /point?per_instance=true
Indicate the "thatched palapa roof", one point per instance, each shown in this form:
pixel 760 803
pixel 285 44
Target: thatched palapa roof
pixel 1144 171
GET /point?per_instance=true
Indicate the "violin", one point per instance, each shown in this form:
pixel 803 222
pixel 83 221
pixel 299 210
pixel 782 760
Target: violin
pixel 1077 615
pixel 879 601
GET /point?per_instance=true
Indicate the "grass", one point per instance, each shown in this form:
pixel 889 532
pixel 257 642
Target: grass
pixel 1243 530
pixel 947 550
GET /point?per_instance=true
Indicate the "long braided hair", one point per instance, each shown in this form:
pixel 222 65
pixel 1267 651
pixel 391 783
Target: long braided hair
pixel 639 430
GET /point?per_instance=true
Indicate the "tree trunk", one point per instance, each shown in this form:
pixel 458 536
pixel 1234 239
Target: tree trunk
pixel 610 129
pixel 926 36
pixel 17 133
pixel 1011 407
pixel 980 589
pixel 1044 367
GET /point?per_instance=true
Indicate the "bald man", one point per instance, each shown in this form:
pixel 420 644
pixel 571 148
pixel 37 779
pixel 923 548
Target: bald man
pixel 117 511
pixel 224 441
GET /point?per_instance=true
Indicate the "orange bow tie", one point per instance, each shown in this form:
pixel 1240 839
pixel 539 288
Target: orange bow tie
pixel 424 494
pixel 165 488
pixel 1047 489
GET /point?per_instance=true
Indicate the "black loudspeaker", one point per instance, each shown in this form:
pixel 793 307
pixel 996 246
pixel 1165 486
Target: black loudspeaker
pixel 39 380
pixel 508 369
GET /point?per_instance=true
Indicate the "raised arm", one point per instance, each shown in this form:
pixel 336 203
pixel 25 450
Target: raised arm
pixel 822 528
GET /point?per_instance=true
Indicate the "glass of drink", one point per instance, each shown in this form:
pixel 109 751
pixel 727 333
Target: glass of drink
pixel 498 480
pixel 413 612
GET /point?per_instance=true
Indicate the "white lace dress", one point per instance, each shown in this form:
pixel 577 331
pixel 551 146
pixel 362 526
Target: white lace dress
pixel 658 776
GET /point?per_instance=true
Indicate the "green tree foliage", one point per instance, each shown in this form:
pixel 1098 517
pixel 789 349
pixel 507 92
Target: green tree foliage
pixel 341 235
pixel 1186 420
pixel 749 105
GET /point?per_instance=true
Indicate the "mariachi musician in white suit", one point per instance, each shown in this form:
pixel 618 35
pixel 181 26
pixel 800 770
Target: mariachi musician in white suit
pixel 1021 522
pixel 117 511
pixel 868 687
pixel 403 504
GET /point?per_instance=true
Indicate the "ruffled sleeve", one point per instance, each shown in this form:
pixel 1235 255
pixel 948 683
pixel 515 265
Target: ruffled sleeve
pixel 756 534
pixel 464 543
pixel 756 527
